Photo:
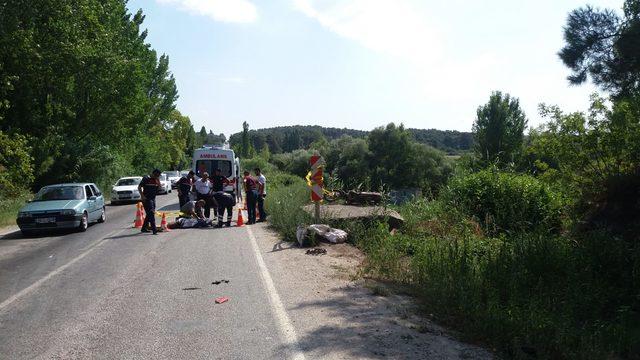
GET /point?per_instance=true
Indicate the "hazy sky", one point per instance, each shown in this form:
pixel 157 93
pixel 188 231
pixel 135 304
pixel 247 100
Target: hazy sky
pixel 361 63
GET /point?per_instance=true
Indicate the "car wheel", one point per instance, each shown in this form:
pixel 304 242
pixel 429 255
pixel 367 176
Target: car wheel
pixel 103 217
pixel 84 223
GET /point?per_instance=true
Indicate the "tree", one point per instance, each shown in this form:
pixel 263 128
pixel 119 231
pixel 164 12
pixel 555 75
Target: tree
pixel 604 46
pixel 499 129
pixel 246 151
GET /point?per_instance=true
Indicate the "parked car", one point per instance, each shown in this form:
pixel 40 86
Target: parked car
pixel 166 184
pixel 126 189
pixel 63 206
pixel 173 177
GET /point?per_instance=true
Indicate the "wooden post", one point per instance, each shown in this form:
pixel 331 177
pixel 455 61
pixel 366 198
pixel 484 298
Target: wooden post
pixel 317 217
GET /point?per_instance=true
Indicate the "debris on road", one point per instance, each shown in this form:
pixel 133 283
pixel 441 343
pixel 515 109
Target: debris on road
pixel 222 299
pixel 220 282
pixel 316 251
pixel 191 288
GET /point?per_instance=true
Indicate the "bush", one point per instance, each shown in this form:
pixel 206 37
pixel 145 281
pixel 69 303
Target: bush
pixel 10 205
pixel 505 201
pixel 284 203
pixel 16 168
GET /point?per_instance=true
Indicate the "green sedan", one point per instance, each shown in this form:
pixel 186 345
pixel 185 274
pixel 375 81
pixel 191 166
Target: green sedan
pixel 63 206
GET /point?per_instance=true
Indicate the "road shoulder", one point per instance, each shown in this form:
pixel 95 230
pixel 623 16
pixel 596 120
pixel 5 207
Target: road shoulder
pixel 339 315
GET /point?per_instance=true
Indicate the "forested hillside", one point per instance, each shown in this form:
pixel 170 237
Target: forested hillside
pixel 285 139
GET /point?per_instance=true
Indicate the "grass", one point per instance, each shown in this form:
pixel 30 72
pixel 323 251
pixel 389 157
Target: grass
pixel 528 294
pixel 9 207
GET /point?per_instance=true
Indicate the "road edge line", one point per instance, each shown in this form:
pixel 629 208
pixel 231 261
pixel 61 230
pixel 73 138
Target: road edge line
pixel 287 331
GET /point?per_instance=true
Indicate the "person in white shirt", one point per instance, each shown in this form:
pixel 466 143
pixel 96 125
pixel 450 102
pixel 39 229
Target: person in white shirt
pixel 262 193
pixel 204 192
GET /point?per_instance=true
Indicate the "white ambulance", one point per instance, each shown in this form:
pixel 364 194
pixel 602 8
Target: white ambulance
pixel 208 158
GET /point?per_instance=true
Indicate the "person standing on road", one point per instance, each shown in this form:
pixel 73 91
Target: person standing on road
pixel 185 185
pixel 148 188
pixel 203 190
pixel 262 193
pixel 218 182
pixel 251 194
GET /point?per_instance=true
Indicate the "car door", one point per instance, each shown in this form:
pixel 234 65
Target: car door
pixel 100 197
pixel 91 202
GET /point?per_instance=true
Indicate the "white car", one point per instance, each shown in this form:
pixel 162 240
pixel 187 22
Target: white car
pixel 173 177
pixel 166 184
pixel 126 190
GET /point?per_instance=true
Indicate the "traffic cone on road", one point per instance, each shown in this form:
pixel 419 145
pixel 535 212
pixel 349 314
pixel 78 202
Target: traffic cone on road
pixel 137 223
pixel 240 221
pixel 163 223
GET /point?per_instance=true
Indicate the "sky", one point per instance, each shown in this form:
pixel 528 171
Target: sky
pixel 361 64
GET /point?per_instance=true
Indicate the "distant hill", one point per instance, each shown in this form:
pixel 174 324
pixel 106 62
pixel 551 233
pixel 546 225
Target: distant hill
pixel 289 138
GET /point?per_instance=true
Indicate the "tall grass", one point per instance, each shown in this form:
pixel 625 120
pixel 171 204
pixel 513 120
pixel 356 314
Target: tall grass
pixel 9 207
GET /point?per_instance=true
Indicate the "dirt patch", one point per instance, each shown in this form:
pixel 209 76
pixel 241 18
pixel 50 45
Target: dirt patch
pixel 339 315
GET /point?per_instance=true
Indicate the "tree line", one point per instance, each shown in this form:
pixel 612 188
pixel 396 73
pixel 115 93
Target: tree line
pixel 285 139
pixel 83 96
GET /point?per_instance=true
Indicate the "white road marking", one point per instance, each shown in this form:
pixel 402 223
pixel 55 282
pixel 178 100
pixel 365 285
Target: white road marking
pixel 57 271
pixel 287 331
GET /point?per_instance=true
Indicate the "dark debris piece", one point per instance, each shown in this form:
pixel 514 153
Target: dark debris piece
pixel 220 282
pixel 316 251
pixel 191 288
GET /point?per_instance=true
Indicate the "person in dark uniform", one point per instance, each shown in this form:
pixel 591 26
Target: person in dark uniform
pixel 225 201
pixel 251 193
pixel 148 188
pixel 185 185
pixel 218 181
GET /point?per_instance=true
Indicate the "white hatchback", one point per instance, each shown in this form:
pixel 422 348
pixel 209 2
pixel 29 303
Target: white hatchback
pixel 126 190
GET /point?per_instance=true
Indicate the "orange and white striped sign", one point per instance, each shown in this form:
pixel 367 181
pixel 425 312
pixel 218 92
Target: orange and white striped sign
pixel 315 178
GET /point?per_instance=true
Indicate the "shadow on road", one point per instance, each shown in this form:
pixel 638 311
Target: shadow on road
pixel 357 324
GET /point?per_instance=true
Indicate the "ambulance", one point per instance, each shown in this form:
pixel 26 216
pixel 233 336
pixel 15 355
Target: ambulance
pixel 208 158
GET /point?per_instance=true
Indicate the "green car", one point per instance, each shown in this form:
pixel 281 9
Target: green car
pixel 63 206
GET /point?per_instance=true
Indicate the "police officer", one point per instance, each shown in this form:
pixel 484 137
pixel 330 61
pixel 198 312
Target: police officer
pixel 225 201
pixel 185 184
pixel 148 188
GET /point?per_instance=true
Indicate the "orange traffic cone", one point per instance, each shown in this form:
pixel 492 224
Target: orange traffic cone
pixel 240 221
pixel 163 223
pixel 137 223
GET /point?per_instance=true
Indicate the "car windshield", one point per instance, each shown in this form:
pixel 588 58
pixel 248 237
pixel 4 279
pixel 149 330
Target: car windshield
pixel 60 193
pixel 128 182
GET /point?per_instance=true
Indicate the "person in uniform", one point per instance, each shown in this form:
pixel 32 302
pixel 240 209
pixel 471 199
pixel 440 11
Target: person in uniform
pixel 225 201
pixel 185 185
pixel 204 192
pixel 262 193
pixel 148 188
pixel 251 193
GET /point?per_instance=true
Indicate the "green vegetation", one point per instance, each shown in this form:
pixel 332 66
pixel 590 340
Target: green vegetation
pixel 532 245
pixel 287 139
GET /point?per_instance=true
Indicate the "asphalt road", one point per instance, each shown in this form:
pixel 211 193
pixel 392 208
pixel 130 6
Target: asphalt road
pixel 113 292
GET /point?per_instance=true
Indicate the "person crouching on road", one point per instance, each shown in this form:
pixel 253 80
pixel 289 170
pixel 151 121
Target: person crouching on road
pixel 251 194
pixel 193 209
pixel 185 184
pixel 148 188
pixel 203 190
pixel 225 201
pixel 262 193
